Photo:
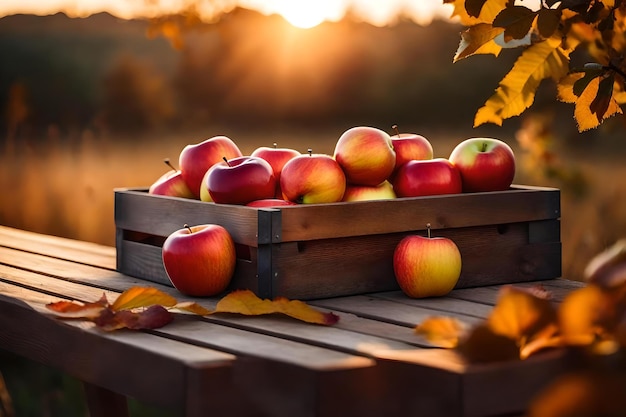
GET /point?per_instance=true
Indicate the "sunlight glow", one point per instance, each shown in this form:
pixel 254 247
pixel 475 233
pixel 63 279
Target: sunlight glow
pixel 300 13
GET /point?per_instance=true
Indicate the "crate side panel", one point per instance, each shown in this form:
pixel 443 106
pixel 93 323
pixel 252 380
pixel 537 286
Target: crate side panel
pixel 160 216
pixel 407 214
pixel 357 265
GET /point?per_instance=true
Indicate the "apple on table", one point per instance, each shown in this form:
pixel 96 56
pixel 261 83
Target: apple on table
pixel 366 155
pixel 485 164
pixel 199 260
pixel 426 266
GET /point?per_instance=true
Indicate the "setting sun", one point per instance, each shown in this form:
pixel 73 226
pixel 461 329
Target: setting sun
pixel 304 13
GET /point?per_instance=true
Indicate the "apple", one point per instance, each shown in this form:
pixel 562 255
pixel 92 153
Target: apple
pixel 171 184
pixel 196 159
pixel 427 177
pixel 199 260
pixel 312 178
pixel 383 191
pixel 485 164
pixel 410 146
pixel 366 155
pixel 277 158
pixel 204 189
pixel 241 180
pixel 271 202
pixel 426 266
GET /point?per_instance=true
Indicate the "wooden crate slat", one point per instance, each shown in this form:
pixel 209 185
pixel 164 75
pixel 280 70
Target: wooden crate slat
pixel 322 221
pixel 160 215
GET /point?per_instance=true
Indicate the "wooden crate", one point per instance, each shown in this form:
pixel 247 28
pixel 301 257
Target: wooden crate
pixel 324 250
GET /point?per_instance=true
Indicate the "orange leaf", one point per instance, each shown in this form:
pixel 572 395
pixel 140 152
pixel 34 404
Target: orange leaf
pixel 483 345
pixel 584 315
pixel 519 314
pixel 192 307
pixel 443 332
pixel 136 297
pixel 75 310
pixel 247 303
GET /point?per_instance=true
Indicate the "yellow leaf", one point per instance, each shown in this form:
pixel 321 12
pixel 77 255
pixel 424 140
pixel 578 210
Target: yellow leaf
pixel 565 88
pixel 478 39
pixel 489 11
pixel 585 117
pixel 516 92
pixel 192 307
pixel 247 303
pixel 443 332
pixel 136 297
pixel 519 314
pixel 584 314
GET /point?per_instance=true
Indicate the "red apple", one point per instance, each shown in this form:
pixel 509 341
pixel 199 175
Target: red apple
pixel 241 180
pixel 196 159
pixel 410 146
pixel 171 184
pixel 426 266
pixel 485 164
pixel 199 260
pixel 277 158
pixel 204 189
pixel 312 178
pixel 271 202
pixel 366 155
pixel 428 177
pixel 383 191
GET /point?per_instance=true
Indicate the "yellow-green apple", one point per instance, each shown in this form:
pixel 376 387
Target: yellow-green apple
pixel 171 183
pixel 271 202
pixel 426 266
pixel 366 155
pixel 241 180
pixel 196 159
pixel 485 164
pixel 277 158
pixel 383 191
pixel 427 177
pixel 199 260
pixel 204 189
pixel 410 146
pixel 312 178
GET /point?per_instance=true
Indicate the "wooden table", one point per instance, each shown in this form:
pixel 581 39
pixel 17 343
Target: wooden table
pixel 369 364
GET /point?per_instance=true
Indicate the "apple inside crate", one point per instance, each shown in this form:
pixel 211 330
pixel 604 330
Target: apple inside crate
pixel 325 250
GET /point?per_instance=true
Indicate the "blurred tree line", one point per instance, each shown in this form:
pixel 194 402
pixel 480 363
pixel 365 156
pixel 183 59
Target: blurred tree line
pixel 105 74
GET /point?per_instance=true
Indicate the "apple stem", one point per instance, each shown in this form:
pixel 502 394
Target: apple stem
pixel 310 151
pixel 483 148
pixel 169 164
pixel 186 226
pixel 428 229
pixel 395 127
pixel 275 145
pixel 226 160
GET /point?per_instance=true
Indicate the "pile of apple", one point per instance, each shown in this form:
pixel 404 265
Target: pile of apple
pixel 367 164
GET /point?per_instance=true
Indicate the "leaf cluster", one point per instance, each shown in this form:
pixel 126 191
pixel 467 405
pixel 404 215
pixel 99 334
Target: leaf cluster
pixel 140 308
pixel 525 321
pixel 548 34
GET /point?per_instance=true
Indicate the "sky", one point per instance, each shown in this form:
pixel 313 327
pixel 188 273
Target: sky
pixel 301 13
